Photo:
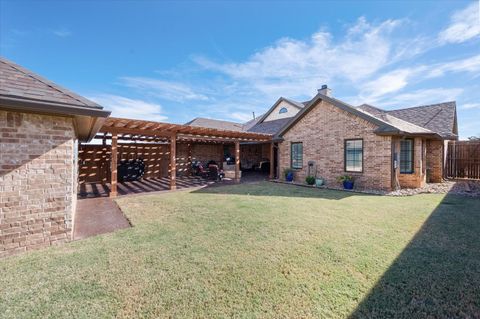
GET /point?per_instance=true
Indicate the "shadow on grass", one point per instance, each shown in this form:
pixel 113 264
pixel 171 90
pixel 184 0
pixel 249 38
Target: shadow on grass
pixel 438 274
pixel 274 189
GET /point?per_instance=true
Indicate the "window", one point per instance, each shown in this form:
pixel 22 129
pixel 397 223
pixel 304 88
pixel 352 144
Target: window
pixel 283 110
pixel 297 155
pixel 406 156
pixel 354 155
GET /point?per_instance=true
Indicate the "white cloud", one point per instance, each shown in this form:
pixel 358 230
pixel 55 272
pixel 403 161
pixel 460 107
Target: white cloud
pixel 388 83
pixel 373 60
pixel 464 25
pixel 63 32
pixel 298 67
pixel 471 64
pixel 173 91
pixel 130 108
pixel 396 80
pixel 468 106
pixel 241 116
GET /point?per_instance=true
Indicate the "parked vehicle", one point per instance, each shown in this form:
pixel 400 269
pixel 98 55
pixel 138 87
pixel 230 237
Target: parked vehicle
pixel 130 170
pixel 210 171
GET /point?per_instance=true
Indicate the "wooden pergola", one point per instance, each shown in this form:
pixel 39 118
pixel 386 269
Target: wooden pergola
pixel 149 131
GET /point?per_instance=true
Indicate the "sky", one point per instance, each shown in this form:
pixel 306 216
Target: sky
pixel 174 61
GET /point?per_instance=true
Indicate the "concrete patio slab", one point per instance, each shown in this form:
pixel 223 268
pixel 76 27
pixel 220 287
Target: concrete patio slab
pixel 96 216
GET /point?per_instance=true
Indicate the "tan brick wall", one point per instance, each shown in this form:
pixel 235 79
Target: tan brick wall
pixel 435 161
pixel 37 182
pixel 323 132
pixel 253 154
pixel 208 152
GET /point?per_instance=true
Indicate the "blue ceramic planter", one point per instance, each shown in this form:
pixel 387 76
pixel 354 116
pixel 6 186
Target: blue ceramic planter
pixel 348 184
pixel 289 177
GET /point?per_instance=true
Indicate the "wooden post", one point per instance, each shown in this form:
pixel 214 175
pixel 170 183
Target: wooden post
pixel 113 166
pixel 173 161
pixel 272 160
pixel 189 159
pixel 237 161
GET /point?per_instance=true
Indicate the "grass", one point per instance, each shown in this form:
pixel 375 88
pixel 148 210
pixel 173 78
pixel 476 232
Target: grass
pixel 264 250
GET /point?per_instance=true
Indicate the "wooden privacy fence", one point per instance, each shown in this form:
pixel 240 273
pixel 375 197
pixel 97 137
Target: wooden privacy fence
pixel 463 159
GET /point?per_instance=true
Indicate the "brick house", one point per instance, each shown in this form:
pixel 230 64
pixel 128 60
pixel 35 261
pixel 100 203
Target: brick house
pixel 40 126
pixel 381 149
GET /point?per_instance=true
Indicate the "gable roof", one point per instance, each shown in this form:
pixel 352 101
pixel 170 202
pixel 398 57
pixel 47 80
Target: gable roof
pixel 270 127
pixel 387 124
pixel 440 118
pixel 24 91
pixel 18 82
pixel 281 99
pixel 249 124
pixel 216 124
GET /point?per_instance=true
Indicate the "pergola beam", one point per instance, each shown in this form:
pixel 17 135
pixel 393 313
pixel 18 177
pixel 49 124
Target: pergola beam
pixel 158 129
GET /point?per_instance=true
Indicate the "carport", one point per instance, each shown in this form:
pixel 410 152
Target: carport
pixel 168 150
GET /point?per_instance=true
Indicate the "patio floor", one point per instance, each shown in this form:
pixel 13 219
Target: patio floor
pixel 147 185
pixel 96 216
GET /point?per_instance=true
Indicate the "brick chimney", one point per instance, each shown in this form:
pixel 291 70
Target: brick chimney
pixel 325 90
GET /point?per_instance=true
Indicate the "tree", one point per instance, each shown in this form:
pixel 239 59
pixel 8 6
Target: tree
pixel 474 138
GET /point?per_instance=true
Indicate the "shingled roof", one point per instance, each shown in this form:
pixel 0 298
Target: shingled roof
pixel 216 124
pixel 18 82
pixel 440 118
pixel 389 123
pixel 24 91
pixel 270 127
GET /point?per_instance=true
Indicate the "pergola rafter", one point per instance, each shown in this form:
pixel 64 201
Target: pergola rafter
pixel 167 133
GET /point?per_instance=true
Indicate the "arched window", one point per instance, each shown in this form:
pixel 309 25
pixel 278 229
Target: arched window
pixel 283 110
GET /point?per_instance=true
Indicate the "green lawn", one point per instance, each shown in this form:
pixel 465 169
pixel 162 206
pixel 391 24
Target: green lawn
pixel 265 250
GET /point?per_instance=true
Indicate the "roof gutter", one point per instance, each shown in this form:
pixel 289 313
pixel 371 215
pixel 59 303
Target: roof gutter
pixel 403 133
pixel 87 120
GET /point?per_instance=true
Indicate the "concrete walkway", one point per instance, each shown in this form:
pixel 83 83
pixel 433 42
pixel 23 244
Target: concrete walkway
pixel 96 216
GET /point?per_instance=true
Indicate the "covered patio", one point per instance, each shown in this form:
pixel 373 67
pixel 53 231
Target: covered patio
pixel 167 151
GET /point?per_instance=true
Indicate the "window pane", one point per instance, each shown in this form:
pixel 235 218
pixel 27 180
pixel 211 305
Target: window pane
pixel 354 155
pixel 406 156
pixel 297 155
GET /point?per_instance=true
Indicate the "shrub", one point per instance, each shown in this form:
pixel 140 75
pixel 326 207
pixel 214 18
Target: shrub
pixel 310 180
pixel 344 178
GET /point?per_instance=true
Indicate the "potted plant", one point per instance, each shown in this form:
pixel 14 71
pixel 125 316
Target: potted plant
pixel 288 172
pixel 347 181
pixel 319 181
pixel 310 180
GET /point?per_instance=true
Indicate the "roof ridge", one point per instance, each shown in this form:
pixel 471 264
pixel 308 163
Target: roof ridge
pixel 396 118
pixel 373 106
pixel 439 111
pixel 50 84
pixel 420 106
pixel 295 103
